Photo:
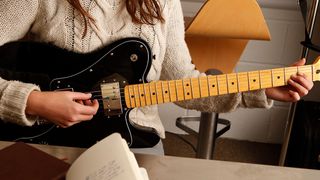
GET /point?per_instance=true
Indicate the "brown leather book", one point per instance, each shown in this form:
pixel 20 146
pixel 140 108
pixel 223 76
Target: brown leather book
pixel 21 161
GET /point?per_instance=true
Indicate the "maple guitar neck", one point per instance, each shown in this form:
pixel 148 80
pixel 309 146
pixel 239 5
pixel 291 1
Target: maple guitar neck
pixel 158 92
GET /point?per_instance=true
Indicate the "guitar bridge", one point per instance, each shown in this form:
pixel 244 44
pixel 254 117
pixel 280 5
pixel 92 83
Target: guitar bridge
pixel 111 98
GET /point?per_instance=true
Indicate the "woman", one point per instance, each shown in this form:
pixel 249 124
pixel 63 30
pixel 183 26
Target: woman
pixel 86 25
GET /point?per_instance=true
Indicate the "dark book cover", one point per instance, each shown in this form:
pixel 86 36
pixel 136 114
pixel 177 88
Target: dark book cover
pixel 21 161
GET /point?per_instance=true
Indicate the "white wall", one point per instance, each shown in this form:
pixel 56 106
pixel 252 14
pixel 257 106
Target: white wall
pixel 286 27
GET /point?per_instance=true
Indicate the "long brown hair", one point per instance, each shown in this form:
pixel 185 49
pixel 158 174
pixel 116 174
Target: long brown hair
pixel 149 10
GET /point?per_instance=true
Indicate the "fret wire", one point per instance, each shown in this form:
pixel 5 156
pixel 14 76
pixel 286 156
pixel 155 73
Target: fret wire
pixel 144 91
pixel 259 79
pixel 175 84
pixel 173 91
pixel 139 95
pixel 191 88
pixel 139 100
pixel 238 82
pixel 312 71
pixel 272 78
pixel 132 90
pixel 177 90
pixel 184 97
pixel 151 97
pixel 129 98
pixel 248 81
pixel 199 84
pixel 217 84
pixel 156 92
pixel 285 77
pixel 162 91
pixel 284 80
pixel 169 90
pixel 227 82
pixel 208 84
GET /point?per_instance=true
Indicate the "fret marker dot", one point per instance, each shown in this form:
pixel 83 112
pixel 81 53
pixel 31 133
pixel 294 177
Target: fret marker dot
pixel 142 95
pixel 132 96
pixel 153 93
pixel 278 77
pixel 213 85
pixel 232 83
pixel 187 84
pixel 166 92
pixel 254 80
pixel 188 94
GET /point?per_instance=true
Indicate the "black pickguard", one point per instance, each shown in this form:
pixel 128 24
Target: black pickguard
pixel 53 68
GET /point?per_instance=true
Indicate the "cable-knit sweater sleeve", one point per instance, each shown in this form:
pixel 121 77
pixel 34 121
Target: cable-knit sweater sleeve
pixel 177 65
pixel 16 18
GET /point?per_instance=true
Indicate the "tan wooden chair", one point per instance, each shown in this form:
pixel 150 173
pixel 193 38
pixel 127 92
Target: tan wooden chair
pixel 216 38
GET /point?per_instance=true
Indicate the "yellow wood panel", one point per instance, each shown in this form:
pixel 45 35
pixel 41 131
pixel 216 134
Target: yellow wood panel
pixel 236 19
pixel 215 53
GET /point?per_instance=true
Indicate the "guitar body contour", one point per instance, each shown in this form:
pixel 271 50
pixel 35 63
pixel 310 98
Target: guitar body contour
pixel 123 62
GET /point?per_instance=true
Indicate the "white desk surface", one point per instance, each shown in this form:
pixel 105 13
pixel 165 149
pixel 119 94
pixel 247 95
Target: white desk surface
pixel 176 168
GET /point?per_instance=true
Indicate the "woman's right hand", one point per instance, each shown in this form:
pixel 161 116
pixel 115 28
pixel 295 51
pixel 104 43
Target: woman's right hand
pixel 63 108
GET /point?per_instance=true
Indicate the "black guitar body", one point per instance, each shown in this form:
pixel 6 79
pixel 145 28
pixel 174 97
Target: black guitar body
pixel 123 62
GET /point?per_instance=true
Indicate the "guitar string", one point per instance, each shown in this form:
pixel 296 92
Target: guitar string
pixel 263 77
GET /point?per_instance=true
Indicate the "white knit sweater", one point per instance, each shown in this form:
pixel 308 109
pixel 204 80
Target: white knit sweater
pixel 55 21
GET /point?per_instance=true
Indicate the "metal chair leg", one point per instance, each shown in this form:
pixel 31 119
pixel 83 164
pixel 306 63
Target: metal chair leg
pixel 207 132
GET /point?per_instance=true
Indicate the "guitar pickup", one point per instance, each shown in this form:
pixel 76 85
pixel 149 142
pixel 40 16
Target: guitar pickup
pixel 111 97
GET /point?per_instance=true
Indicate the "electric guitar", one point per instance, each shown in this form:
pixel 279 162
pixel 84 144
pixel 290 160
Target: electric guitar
pixel 116 76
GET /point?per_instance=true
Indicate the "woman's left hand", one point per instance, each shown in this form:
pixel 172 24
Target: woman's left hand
pixel 298 86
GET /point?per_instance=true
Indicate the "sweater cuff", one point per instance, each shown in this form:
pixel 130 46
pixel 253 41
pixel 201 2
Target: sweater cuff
pixel 13 103
pixel 256 99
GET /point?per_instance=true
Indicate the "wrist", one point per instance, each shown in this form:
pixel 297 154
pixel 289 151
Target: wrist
pixel 33 101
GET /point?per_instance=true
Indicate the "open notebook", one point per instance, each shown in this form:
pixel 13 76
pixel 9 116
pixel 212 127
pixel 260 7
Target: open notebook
pixel 109 159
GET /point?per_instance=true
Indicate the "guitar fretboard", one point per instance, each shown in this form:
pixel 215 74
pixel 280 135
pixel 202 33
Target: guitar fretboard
pixel 159 92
